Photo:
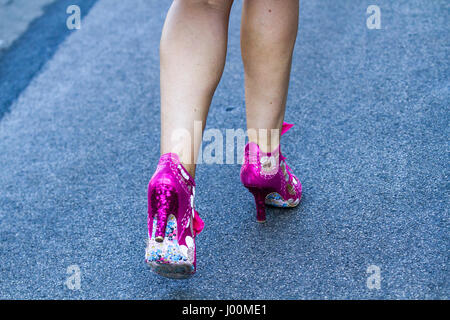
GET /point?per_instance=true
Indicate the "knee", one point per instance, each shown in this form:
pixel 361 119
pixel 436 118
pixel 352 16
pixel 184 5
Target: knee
pixel 210 4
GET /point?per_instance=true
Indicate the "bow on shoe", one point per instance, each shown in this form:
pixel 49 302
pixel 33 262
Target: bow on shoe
pixel 197 223
pixel 285 128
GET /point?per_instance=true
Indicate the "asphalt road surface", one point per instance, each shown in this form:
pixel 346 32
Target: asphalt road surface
pixel 79 130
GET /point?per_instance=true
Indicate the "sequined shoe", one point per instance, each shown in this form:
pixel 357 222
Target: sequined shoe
pixel 269 178
pixel 173 223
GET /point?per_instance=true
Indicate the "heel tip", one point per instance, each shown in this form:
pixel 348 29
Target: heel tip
pixel 159 239
pixel 261 221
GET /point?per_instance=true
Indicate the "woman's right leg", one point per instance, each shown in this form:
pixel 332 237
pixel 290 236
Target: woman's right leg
pixel 268 34
pixel 192 53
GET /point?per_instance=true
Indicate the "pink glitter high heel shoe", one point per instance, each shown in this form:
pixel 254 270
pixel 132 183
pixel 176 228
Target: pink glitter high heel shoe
pixel 269 178
pixel 173 223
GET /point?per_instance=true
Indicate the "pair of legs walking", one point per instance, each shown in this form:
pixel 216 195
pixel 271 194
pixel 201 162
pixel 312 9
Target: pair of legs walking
pixel 193 50
pixel 192 53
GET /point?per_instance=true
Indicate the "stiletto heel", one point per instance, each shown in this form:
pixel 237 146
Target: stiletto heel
pixel 260 198
pixel 164 201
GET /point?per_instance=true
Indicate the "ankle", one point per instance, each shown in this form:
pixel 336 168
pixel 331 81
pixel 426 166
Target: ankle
pixel 266 147
pixel 187 165
pixel 190 167
pixel 267 140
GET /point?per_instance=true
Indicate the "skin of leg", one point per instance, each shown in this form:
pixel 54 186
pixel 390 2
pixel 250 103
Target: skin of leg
pixel 268 34
pixel 192 58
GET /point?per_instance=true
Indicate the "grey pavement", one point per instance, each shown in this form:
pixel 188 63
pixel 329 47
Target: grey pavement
pixel 79 135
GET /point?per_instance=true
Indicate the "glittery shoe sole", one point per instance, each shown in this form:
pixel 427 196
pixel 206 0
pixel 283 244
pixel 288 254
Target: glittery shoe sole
pixel 276 200
pixel 168 258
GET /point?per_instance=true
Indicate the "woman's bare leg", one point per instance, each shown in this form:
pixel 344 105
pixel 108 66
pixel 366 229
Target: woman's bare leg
pixel 268 34
pixel 192 54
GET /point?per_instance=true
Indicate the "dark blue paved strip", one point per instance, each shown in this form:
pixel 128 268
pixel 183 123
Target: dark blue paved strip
pixel 23 60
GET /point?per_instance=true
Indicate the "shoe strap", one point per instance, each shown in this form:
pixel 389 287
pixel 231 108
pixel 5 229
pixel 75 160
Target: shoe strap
pixel 173 158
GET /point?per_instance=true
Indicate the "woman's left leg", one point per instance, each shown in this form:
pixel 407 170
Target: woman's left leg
pixel 193 50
